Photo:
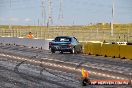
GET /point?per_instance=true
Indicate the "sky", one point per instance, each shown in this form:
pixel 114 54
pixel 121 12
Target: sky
pixel 75 12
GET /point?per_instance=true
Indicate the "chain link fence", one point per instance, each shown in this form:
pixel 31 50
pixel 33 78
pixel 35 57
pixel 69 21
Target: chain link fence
pixel 81 34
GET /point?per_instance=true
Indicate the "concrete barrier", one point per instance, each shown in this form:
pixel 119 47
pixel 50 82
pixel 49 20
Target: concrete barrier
pixel 8 40
pixel 110 50
pixel 126 51
pixel 94 48
pixel 39 43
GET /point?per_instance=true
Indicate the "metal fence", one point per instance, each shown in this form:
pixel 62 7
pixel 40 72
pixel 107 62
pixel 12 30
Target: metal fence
pixel 81 34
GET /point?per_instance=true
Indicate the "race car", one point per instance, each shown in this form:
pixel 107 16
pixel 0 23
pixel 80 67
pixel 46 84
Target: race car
pixel 65 44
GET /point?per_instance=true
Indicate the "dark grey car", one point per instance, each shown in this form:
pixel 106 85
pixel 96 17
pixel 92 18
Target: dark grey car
pixel 65 44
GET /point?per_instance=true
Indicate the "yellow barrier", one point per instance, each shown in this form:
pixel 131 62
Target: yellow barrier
pixel 92 48
pixel 110 50
pixel 126 51
pixel 86 49
pixel 96 48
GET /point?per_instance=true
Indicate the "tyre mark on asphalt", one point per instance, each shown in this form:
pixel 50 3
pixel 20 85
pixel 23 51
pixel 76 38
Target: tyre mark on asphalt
pixel 24 76
pixel 98 63
pixel 76 58
pixel 37 79
pixel 12 81
pixel 62 77
pixel 29 82
pixel 8 76
pixel 7 85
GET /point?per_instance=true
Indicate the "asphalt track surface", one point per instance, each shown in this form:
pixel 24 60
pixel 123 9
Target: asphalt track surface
pixel 22 74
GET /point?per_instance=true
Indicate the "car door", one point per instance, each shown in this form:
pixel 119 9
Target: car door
pixel 78 45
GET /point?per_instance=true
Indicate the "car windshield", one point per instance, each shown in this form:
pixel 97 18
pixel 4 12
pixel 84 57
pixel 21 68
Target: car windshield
pixel 62 39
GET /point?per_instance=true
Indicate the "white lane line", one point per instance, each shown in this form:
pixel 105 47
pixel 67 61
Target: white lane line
pixel 62 66
pixel 97 67
pixel 111 68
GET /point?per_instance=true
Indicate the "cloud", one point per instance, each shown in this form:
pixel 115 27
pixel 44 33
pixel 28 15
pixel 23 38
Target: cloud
pixel 27 19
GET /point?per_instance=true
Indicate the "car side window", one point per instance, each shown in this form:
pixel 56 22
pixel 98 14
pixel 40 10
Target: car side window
pixel 76 40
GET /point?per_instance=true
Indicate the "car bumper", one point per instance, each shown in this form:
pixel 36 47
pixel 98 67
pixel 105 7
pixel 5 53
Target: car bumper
pixel 62 49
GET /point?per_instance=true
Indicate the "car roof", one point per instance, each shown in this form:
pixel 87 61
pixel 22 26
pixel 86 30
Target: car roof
pixel 65 36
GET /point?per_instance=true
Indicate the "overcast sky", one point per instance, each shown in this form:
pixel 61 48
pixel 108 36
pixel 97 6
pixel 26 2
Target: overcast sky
pixel 77 12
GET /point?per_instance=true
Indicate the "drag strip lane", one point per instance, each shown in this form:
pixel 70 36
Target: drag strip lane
pixel 65 66
pixel 29 76
pixel 69 61
pixel 117 66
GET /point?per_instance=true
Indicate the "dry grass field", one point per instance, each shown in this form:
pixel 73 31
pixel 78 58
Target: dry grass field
pixel 97 32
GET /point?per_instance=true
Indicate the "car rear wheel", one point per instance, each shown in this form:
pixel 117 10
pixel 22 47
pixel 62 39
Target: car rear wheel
pixel 73 51
pixel 52 51
pixel 61 52
pixel 80 51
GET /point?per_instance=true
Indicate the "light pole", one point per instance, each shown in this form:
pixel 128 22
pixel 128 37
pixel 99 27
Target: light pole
pixel 50 20
pixel 112 22
pixel 43 12
pixel 10 24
